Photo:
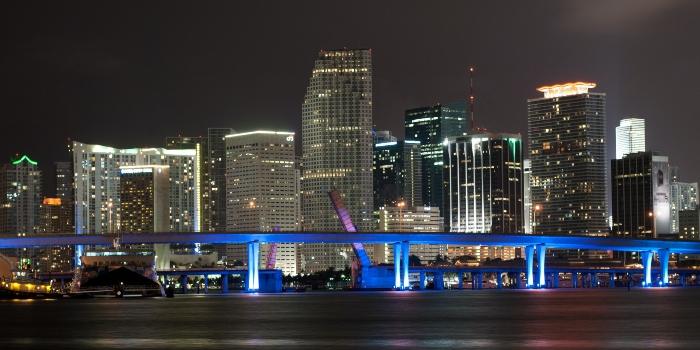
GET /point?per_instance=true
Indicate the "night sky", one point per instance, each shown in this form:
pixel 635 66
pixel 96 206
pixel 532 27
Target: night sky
pixel 128 74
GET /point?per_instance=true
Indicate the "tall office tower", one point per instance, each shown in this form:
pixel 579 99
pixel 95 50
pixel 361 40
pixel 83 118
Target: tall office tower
pixel 641 195
pixel 397 176
pixel 431 126
pixel 381 136
pixel 261 181
pixel 484 183
pixel 201 163
pixel 20 188
pixel 527 198
pixel 410 219
pixel 144 202
pixel 337 150
pixel 64 191
pixel 629 137
pixel 566 132
pixel 216 177
pixel 97 179
pixel 53 220
pixel 689 224
pixel 684 197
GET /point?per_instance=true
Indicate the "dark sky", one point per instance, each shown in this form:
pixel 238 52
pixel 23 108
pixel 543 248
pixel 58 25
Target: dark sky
pixel 130 73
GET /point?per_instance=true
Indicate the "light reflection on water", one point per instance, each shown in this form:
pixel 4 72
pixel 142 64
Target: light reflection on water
pixel 561 319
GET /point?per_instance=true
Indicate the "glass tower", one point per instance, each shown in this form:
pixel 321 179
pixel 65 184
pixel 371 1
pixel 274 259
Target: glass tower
pixel 629 137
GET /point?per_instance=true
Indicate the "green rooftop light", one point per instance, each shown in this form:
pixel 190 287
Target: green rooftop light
pixel 24 158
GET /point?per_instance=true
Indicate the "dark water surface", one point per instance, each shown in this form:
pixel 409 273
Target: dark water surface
pixel 559 319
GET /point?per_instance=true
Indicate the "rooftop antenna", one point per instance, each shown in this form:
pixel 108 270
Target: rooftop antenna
pixel 472 98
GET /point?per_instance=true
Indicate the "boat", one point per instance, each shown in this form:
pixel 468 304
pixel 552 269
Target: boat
pixel 27 289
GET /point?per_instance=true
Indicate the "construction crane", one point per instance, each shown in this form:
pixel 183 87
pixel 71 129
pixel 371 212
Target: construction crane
pixel 361 261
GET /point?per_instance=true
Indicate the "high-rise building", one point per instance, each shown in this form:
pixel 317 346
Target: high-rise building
pixel 641 195
pixel 97 177
pixel 629 137
pixel 397 176
pixel 20 191
pixel 483 179
pixel 566 132
pixel 527 199
pixel 216 177
pixel 144 204
pixel 689 224
pixel 684 196
pixel 336 150
pixel 53 220
pixel 64 191
pixel 261 183
pixel 431 126
pixel 410 219
pixel 201 162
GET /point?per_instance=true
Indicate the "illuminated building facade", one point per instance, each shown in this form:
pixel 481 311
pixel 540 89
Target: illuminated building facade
pixel 689 224
pixel 144 192
pixel 684 197
pixel 528 218
pixel 262 191
pixel 64 192
pixel 566 132
pixel 431 126
pixel 484 183
pixel 53 220
pixel 641 193
pixel 336 150
pixel 397 169
pixel 410 219
pixel 630 137
pixel 216 178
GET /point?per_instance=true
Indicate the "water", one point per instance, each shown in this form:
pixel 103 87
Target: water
pixel 600 318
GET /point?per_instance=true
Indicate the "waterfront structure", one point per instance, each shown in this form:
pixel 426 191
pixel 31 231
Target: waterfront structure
pixel 53 220
pixel 528 216
pixel 144 201
pixel 684 196
pixel 641 195
pixel 483 177
pixel 405 218
pixel 397 170
pixel 629 137
pixel 566 132
pixel 261 181
pixel 336 150
pixel 97 176
pixel 431 126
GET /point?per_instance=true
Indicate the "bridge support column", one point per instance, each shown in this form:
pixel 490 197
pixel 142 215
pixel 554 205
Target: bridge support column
pixel 529 257
pixel 438 280
pixel 397 265
pixel 574 280
pixel 421 280
pixel 612 280
pixel 594 280
pixel 206 284
pixel 646 262
pixel 499 280
pixel 253 280
pixel 460 279
pixel 555 280
pixel 405 248
pixel 664 256
pixel 183 283
pixel 681 279
pixel 541 253
pixel 224 283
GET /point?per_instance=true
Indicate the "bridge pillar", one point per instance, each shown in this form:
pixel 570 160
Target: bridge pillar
pixel 646 262
pixel 529 257
pixel 594 280
pixel 397 265
pixel 224 283
pixel 438 280
pixel 253 280
pixel 460 279
pixel 664 256
pixel 574 279
pixel 421 280
pixel 541 253
pixel 405 248
pixel 183 283
pixel 206 284
pixel 555 279
pixel 681 279
pixel 612 279
pixel 499 280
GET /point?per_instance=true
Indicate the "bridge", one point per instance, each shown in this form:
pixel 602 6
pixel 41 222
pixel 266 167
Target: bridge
pixel 535 246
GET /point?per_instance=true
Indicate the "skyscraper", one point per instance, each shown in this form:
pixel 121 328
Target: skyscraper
pixel 337 149
pixel 483 179
pixel 397 174
pixel 566 130
pixel 261 183
pixel 684 197
pixel 64 191
pixel 431 126
pixel 144 192
pixel 216 177
pixel 641 195
pixel 527 198
pixel 629 137
pixel 53 220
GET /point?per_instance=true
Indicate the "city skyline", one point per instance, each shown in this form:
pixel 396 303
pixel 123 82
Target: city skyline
pixel 126 81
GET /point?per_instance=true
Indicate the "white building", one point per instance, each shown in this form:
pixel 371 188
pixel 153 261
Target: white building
pixel 684 196
pixel 410 219
pixel 262 196
pixel 629 137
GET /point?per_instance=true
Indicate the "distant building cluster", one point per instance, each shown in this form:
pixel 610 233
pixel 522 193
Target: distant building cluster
pixel 443 175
